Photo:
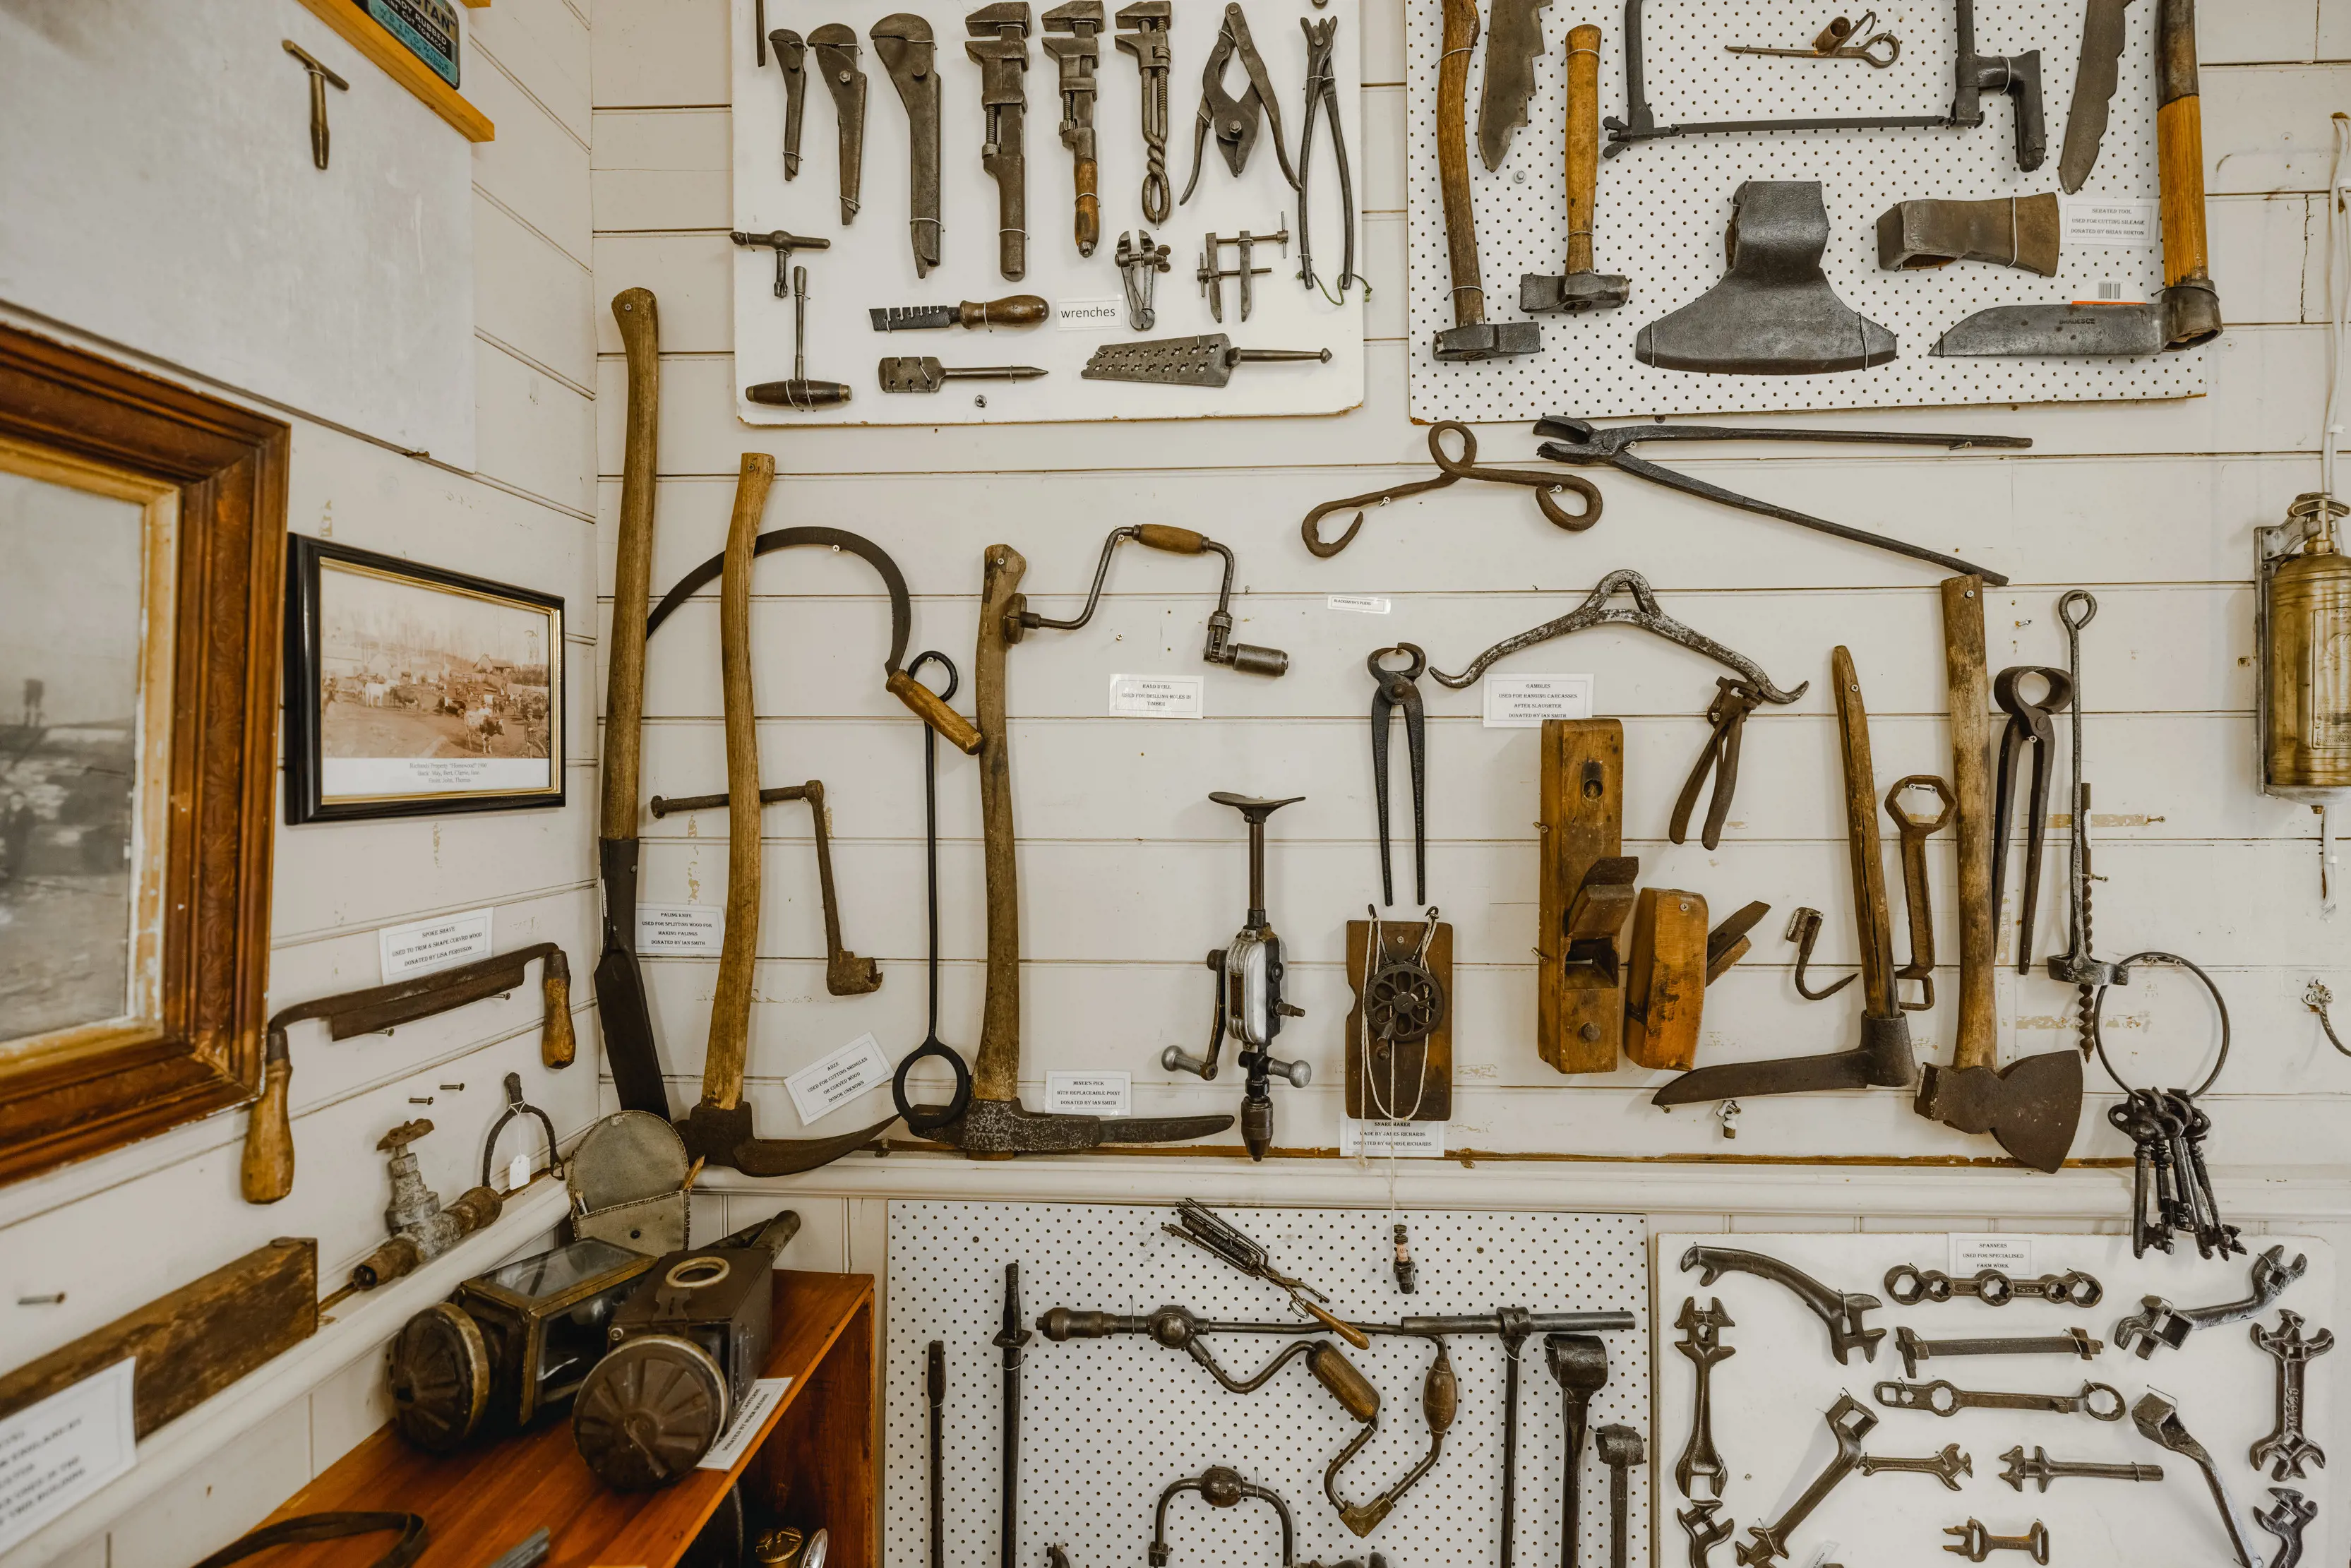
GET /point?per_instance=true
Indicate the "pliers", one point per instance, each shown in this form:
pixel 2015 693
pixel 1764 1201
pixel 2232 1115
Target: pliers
pixel 2028 725
pixel 1584 443
pixel 1733 701
pixel 1233 118
pixel 1323 96
pixel 1396 691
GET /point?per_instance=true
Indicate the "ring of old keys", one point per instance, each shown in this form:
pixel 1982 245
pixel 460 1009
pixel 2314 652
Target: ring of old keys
pixel 1880 48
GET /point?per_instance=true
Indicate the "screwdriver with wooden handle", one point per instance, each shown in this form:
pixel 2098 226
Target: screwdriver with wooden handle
pixel 1012 310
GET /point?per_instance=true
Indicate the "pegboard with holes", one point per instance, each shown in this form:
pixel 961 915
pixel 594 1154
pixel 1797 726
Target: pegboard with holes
pixel 1664 206
pixel 1106 1424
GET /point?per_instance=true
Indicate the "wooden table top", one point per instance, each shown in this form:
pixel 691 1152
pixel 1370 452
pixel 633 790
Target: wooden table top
pixel 482 1501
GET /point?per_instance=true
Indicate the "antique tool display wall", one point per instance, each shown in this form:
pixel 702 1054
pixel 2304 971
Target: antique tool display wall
pixel 1105 1423
pixel 2000 1392
pixel 1090 284
pixel 1667 206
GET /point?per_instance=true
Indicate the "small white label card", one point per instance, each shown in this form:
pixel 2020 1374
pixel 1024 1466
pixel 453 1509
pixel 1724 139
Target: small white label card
pixel 1405 1140
pixel 1102 315
pixel 1523 702
pixel 1359 603
pixel 1090 1094
pixel 59 1452
pixel 1159 696
pixel 430 944
pixel 683 930
pixel 518 1173
pixel 2101 222
pixel 828 1083
pixel 1971 1253
pixel 766 1393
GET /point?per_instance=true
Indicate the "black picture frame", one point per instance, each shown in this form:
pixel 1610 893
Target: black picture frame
pixel 418 686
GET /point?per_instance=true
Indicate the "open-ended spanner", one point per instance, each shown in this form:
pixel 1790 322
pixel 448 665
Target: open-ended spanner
pixel 2287 1520
pixel 2286 1450
pixel 2158 1420
pixel 2158 1323
pixel 1909 1285
pixel 1849 1422
pixel 1701 1340
pixel 1915 831
pixel 1839 1312
pixel 1916 1349
pixel 2096 1400
pixel 1705 1532
pixel 1947 1467
pixel 2042 1468
pixel 1975 1542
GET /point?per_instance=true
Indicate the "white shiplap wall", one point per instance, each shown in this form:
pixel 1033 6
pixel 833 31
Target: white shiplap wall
pixel 1128 874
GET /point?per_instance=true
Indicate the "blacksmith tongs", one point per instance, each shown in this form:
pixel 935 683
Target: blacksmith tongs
pixel 2029 725
pixel 1584 443
pixel 1396 691
pixel 1234 117
pixel 1733 701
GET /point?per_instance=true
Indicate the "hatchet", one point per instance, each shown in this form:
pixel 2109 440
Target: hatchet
pixel 2032 1107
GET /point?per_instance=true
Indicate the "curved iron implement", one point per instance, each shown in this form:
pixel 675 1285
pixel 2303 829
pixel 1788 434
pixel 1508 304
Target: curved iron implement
pixel 1597 610
pixel 1546 485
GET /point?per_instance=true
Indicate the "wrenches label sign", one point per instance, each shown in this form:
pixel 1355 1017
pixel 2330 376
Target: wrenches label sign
pixel 1523 702
pixel 428 944
pixel 1971 1254
pixel 1159 696
pixel 1089 315
pixel 684 930
pixel 1090 1094
pixel 830 1082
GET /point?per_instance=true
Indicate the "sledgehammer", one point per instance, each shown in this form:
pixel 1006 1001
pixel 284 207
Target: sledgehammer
pixel 1581 288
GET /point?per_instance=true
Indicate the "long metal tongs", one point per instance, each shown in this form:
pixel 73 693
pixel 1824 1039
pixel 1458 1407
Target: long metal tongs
pixel 1598 610
pixel 1211 1232
pixel 1323 98
pixel 1546 487
pixel 1581 442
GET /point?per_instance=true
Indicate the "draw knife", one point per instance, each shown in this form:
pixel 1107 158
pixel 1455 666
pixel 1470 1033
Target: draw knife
pixel 836 55
pixel 791 59
pixel 903 43
pixel 1513 43
pixel 2094 88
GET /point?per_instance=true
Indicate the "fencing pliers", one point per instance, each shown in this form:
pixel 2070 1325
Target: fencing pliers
pixel 2028 725
pixel 1233 118
pixel 1396 691
pixel 1733 701
pixel 1322 96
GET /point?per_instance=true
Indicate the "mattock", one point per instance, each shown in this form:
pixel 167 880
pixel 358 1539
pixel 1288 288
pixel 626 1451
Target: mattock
pixel 2286 1450
pixel 2287 1520
pixel 1701 1340
pixel 2158 1323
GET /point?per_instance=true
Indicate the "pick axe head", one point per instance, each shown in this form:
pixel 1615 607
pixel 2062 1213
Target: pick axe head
pixel 2030 1107
pixel 721 1135
pixel 1005 1127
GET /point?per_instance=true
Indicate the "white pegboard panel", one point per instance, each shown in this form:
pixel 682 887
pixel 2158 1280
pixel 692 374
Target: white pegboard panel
pixel 871 262
pixel 1664 206
pixel 1106 1424
pixel 1770 1394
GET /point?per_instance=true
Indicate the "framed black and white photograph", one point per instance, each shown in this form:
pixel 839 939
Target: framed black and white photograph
pixel 411 690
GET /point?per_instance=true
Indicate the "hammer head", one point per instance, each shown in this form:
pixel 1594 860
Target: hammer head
pixel 1619 1448
pixel 1571 294
pixel 1488 340
pixel 2031 1108
pixel 1580 1361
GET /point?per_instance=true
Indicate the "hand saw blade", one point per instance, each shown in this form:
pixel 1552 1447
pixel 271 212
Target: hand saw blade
pixel 2094 88
pixel 1513 43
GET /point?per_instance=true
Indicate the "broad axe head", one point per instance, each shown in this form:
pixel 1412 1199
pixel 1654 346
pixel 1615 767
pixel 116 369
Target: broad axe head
pixel 1580 1361
pixel 1004 1127
pixel 1574 293
pixel 2032 1108
pixel 1619 1448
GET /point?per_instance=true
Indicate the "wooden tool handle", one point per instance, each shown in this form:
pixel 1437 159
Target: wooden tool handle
pixel 1970 689
pixel 995 1072
pixel 1583 142
pixel 1012 310
pixel 266 1173
pixel 1345 1330
pixel 1089 227
pixel 1453 160
pixel 556 1047
pixel 932 709
pixel 1871 923
pixel 1170 538
pixel 2180 143
pixel 730 1000
pixel 624 667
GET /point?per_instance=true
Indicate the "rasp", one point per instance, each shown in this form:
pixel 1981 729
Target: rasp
pixel 1012 310
pixel 901 42
pixel 1077 56
pixel 1000 47
pixel 835 44
pixel 910 373
pixel 1204 361
pixel 1513 43
pixel 792 57
pixel 2094 88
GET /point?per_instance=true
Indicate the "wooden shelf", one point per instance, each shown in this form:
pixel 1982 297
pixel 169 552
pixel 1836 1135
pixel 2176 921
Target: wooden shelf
pixel 812 1464
pixel 366 34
